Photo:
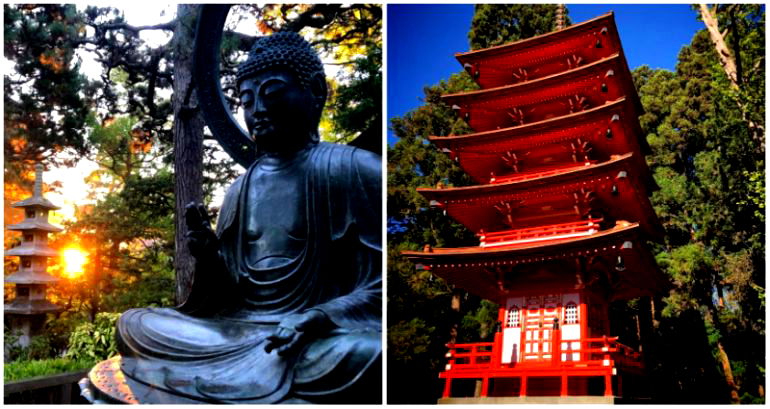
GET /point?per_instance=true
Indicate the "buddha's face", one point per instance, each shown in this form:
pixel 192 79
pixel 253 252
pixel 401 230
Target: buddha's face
pixel 279 112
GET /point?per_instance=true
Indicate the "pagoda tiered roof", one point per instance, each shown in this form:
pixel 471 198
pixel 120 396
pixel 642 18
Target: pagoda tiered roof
pixel 36 201
pixel 599 132
pixel 483 271
pixel 544 55
pixel 569 195
pixel 36 249
pixel 23 306
pixel 560 94
pixel 34 224
pixel 31 277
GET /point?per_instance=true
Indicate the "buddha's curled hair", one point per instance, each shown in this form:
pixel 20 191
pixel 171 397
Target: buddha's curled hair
pixel 284 49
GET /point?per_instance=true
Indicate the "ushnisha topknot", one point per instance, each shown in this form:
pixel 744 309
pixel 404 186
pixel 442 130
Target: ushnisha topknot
pixel 285 49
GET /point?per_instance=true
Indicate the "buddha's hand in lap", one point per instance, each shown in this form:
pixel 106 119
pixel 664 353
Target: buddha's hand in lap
pixel 201 239
pixel 297 329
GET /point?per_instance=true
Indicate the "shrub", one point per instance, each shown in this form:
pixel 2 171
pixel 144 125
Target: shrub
pixel 39 347
pixel 94 340
pixel 18 370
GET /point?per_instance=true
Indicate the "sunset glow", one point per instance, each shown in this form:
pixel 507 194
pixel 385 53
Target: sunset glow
pixel 74 259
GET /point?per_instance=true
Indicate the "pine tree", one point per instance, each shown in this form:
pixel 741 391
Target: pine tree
pixel 424 312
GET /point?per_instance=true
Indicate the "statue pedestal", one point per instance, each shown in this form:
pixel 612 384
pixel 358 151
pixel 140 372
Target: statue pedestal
pixel 106 383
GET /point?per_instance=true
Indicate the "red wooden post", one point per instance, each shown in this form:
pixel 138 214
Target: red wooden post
pixel 447 388
pixel 564 384
pixel 523 386
pixel 484 387
pixel 497 351
pixel 583 319
pixel 556 347
pixel 608 383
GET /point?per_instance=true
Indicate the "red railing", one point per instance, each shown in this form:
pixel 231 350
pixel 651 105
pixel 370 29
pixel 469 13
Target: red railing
pixel 470 356
pixel 598 356
pixel 539 233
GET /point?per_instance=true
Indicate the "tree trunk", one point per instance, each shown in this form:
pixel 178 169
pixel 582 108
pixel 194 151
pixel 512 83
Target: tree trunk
pixel 727 369
pixel 188 143
pixel 725 55
pixel 731 68
pixel 456 300
pixel 98 274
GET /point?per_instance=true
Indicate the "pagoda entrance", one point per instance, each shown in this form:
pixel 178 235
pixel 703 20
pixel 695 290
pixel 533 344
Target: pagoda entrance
pixel 529 337
pixel 538 328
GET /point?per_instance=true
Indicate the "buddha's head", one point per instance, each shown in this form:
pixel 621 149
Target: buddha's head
pixel 283 91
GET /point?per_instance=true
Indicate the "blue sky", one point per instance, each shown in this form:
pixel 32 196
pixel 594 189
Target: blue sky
pixel 422 41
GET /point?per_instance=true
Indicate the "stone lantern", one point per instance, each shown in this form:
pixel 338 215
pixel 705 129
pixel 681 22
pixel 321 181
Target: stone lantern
pixel 27 311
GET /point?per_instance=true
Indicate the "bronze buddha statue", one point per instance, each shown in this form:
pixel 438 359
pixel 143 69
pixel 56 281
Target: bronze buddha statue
pixel 286 299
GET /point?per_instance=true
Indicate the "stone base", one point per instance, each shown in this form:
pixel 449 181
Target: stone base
pixel 106 383
pixel 547 400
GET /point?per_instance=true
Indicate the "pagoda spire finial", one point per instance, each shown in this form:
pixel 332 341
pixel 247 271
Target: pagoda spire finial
pixel 38 190
pixel 559 16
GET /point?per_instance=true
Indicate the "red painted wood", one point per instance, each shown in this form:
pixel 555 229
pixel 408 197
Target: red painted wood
pixel 558 151
pixel 561 94
pixel 543 55
pixel 482 154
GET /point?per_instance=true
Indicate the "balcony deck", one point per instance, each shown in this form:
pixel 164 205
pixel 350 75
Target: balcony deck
pixel 599 357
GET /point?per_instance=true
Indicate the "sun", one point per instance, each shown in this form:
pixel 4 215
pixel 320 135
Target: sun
pixel 74 258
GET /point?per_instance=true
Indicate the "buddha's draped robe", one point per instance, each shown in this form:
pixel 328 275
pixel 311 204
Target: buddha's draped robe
pixel 212 347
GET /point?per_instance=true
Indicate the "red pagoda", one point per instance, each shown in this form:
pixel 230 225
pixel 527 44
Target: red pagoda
pixel 562 213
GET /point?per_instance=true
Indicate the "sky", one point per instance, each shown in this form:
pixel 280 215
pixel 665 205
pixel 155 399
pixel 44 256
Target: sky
pixel 422 41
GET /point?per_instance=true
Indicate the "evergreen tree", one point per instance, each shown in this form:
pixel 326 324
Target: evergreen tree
pixel 424 312
pixel 137 77
pixel 707 343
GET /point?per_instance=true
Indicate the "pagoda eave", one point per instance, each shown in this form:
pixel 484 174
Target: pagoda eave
pixel 606 18
pixel 583 172
pixel 610 129
pixel 584 75
pixel 612 182
pixel 477 269
pixel 516 136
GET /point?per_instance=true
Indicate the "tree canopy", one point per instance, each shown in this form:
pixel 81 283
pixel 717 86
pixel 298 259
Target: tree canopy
pixel 134 118
pixel 707 338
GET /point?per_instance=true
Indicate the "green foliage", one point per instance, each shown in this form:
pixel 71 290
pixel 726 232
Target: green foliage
pixel 496 24
pixel 39 347
pixel 410 339
pixel 356 107
pixel 46 97
pixel 94 340
pixel 708 160
pixel 15 371
pixel 420 315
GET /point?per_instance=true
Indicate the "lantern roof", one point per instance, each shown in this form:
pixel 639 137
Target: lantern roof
pixel 30 307
pixel 35 202
pixel 31 277
pixel 34 225
pixel 560 94
pixel 32 249
pixel 543 55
